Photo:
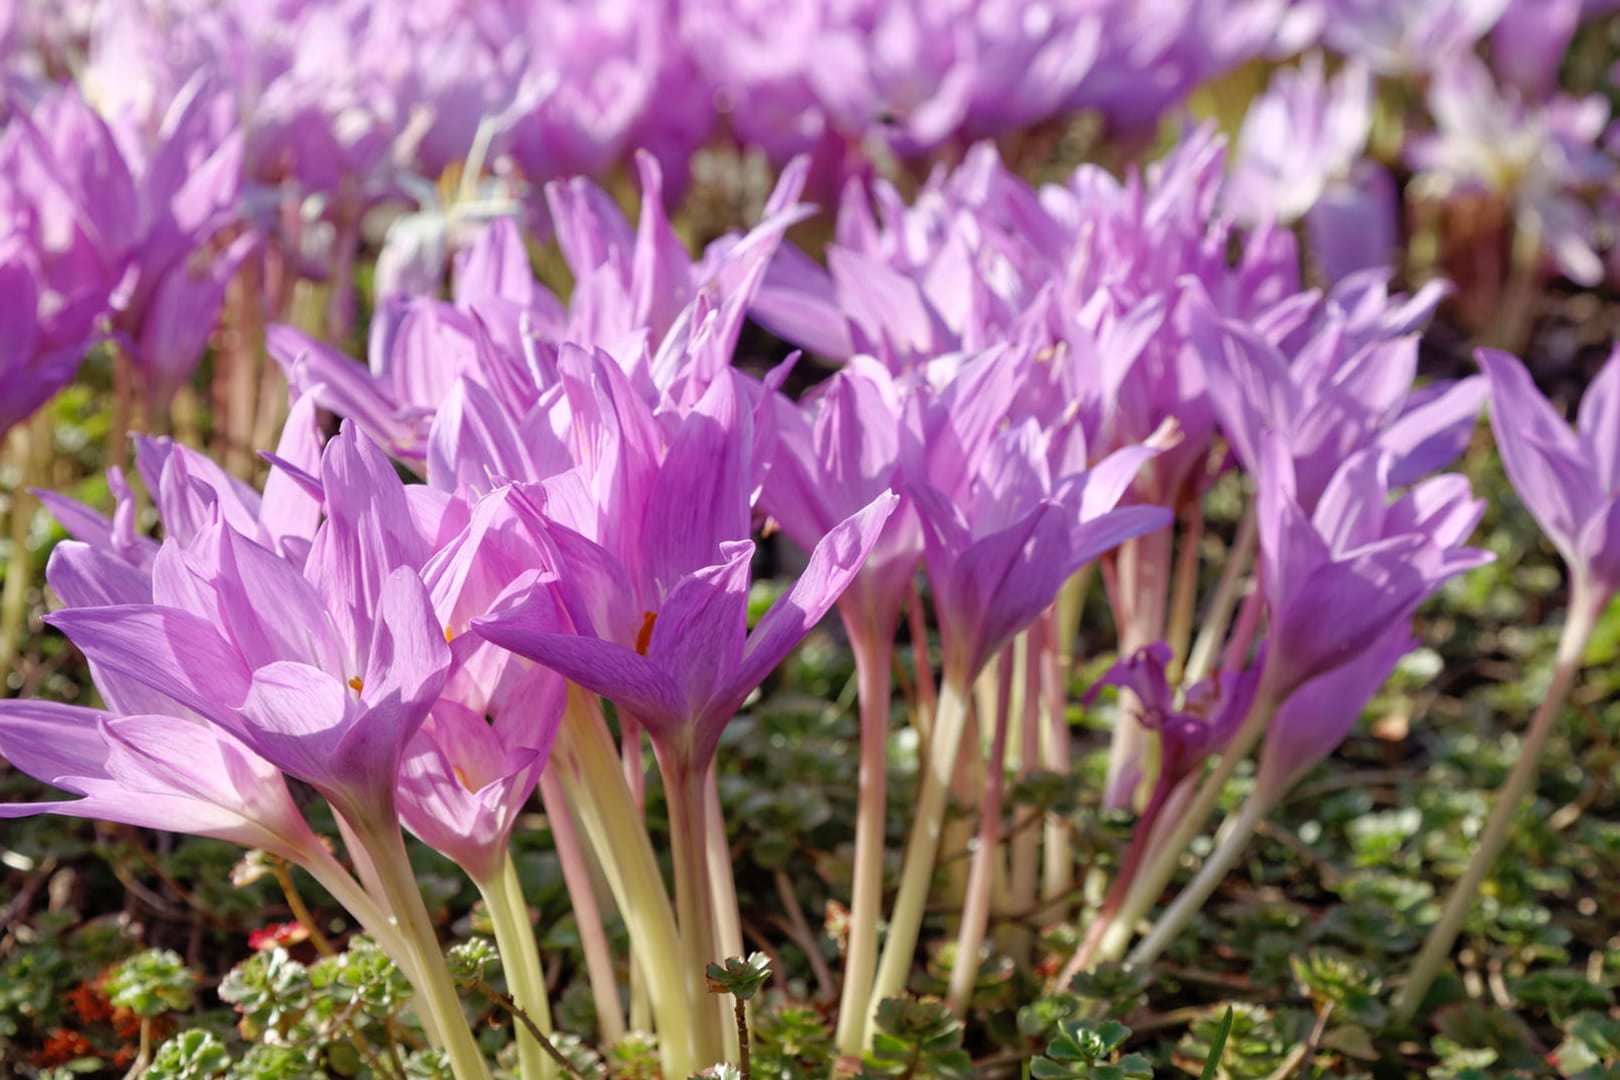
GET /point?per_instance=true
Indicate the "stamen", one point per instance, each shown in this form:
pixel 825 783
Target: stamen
pixel 357 684
pixel 644 635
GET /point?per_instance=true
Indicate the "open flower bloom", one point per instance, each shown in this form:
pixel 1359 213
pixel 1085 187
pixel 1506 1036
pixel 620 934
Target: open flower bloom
pixel 1347 388
pixel 1569 480
pixel 173 772
pixel 1336 580
pixel 695 660
pixel 1541 159
pixel 835 454
pixel 330 682
pixel 1009 512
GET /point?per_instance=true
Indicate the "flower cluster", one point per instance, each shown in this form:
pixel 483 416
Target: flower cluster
pixel 543 494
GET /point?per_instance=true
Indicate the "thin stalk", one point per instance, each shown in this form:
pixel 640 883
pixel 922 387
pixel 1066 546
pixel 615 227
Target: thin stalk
pixel 630 750
pixel 873 654
pixel 917 871
pixel 1184 590
pixel 123 405
pixel 1024 887
pixel 300 910
pixel 917 623
pixel 1586 607
pixel 520 959
pixel 1236 655
pixel 242 369
pixel 587 912
pixel 434 988
pixel 684 795
pixel 371 916
pixel 1233 838
pixel 1516 309
pixel 1143 572
pixel 1148 828
pixel 976 906
pixel 722 888
pixel 595 787
pixel 744 1066
pixel 1161 866
pixel 1227 591
pixel 1057 865
pixel 20 563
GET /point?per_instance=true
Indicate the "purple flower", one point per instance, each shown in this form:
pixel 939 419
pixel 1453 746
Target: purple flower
pixel 835 454
pixel 1539 159
pixel 1336 580
pixel 1299 137
pixel 695 660
pixel 1348 387
pixel 167 772
pixel 1569 480
pixel 331 682
pixel 1318 715
pixel 1008 512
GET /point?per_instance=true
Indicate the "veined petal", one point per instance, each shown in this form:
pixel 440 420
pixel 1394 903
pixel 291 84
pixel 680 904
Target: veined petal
pixel 621 675
pixel 173 652
pixel 834 563
pixel 697 637
pixel 1542 456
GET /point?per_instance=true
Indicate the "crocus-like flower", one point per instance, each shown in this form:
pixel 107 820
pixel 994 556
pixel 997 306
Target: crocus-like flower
pixel 1009 514
pixel 834 461
pixel 330 682
pixel 1346 388
pixel 1541 160
pixel 1569 480
pixel 1299 157
pixel 157 772
pixel 1336 580
pixel 698 661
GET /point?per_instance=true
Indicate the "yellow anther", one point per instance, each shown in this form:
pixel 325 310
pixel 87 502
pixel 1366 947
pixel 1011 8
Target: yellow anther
pixel 357 684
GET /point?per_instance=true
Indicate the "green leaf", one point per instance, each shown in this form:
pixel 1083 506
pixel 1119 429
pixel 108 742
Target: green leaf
pixel 1217 1046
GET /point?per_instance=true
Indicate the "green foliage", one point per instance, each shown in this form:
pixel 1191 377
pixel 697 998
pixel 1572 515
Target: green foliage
pixel 917 1037
pixel 1086 1051
pixel 152 983
pixel 634 1057
pixel 739 977
pixel 363 978
pixel 271 990
pixel 473 962
pixel 792 1042
pixel 190 1055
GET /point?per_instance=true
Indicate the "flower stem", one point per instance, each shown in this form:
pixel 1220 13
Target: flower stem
pixel 873 655
pixel 520 958
pixel 596 789
pixel 1184 591
pixel 1225 599
pixel 684 796
pixel 917 872
pixel 1161 866
pixel 433 984
pixel 587 913
pixel 976 905
pixel 20 563
pixel 1586 607
pixel 1229 845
